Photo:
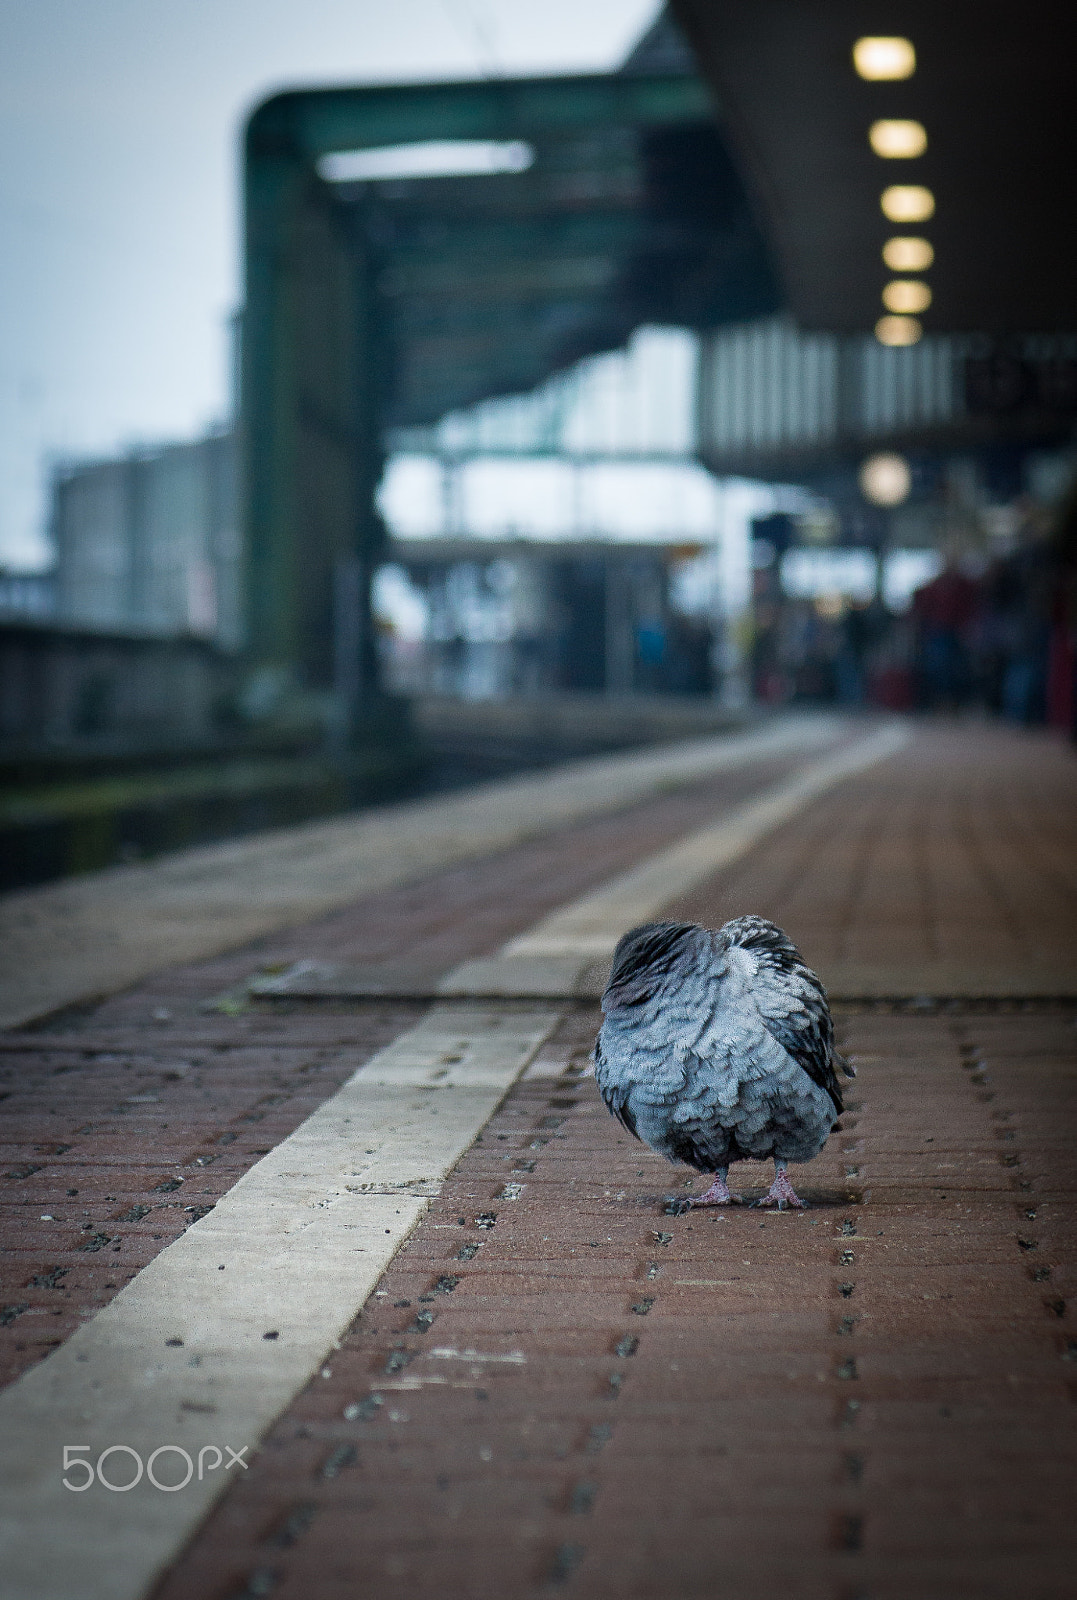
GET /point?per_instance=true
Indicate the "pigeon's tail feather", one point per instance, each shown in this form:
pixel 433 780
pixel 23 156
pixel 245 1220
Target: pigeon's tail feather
pixel 845 1064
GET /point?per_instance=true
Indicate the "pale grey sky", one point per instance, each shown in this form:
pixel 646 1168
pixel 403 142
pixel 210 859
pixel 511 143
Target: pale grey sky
pixel 119 183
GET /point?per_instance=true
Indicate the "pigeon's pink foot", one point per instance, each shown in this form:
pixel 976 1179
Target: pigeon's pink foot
pixel 717 1195
pixel 781 1193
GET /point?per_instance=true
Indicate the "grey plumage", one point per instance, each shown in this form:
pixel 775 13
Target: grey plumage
pixel 719 1047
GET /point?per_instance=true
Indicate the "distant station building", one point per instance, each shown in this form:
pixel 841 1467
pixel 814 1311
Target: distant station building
pixel 124 648
pixel 149 541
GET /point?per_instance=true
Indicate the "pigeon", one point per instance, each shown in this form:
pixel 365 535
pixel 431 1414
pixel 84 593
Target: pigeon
pixel 719 1047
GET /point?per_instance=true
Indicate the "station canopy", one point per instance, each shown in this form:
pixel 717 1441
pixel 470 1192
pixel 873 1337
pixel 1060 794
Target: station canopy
pixel 375 302
pixel 990 85
pixel 616 205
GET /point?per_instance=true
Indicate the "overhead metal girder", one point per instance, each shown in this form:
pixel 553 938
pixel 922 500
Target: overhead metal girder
pixel 310 123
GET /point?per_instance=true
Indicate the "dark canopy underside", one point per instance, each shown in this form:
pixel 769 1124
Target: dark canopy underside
pixel 994 89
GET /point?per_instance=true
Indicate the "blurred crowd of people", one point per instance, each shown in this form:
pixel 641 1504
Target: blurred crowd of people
pixel 1002 634
pixel 997 632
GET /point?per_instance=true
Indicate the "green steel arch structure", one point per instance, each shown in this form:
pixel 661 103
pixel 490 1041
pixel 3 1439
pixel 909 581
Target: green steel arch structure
pixel 378 305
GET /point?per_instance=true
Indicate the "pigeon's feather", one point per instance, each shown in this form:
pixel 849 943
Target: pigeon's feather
pixel 788 996
pixel 614 1094
pixel 644 957
pixel 717 1047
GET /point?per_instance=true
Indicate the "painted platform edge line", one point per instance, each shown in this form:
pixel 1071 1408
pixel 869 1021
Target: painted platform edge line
pixel 210 1342
pixel 80 940
pixel 567 946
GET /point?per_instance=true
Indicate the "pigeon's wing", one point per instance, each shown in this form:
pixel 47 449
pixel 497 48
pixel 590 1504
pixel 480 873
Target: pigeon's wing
pixel 789 998
pixel 614 1093
pixel 705 1113
pixel 688 1106
pixel 675 1086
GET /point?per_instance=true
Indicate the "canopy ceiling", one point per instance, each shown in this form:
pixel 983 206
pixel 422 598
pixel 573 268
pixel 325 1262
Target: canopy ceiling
pixel 994 89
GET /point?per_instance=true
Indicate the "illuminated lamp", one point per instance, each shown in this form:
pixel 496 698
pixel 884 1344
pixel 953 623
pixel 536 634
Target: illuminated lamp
pixel 906 295
pixel 885 480
pixel 897 141
pixel 882 60
pixel 898 331
pixel 908 255
pixel 907 202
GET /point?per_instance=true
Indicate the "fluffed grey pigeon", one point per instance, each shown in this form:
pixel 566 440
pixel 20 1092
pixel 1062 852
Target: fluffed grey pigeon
pixel 719 1047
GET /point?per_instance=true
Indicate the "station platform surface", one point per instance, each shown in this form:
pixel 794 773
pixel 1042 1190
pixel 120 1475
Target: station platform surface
pixel 463 1339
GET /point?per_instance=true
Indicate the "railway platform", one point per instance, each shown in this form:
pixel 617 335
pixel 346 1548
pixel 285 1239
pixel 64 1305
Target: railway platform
pixel 305 1187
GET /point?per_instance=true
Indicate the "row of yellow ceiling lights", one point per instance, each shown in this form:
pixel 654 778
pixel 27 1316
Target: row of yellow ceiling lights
pixel 885 60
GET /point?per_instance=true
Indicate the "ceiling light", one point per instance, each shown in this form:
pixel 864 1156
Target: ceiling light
pixel 898 331
pixel 908 255
pixel 897 140
pixel 878 59
pixel 906 294
pixel 885 480
pixel 907 202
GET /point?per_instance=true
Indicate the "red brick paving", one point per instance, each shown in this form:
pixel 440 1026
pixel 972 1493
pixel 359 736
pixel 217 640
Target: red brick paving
pixel 870 1402
pixel 150 1086
pixel 963 849
pixel 110 1147
pixel 874 1399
